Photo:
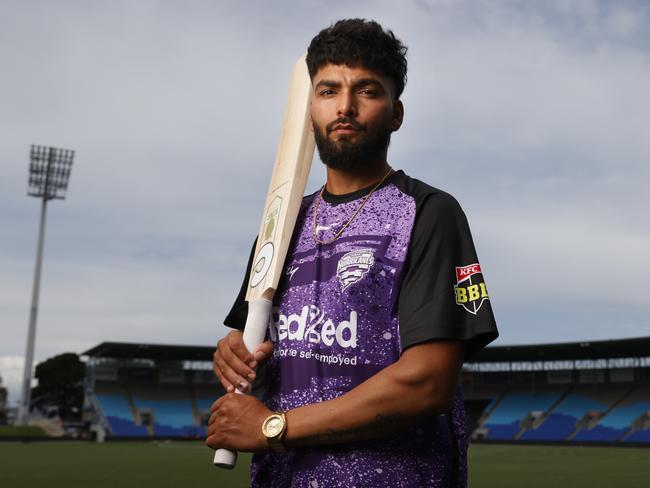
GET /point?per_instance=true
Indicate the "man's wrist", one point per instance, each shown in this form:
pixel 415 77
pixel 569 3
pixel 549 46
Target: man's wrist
pixel 274 428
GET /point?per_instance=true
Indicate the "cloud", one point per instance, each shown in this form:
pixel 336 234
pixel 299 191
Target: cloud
pixel 11 372
pixel 533 114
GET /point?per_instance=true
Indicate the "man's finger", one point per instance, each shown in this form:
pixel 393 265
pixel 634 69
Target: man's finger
pixel 263 352
pixel 227 385
pixel 216 358
pixel 237 346
pixel 212 439
pixel 232 376
pixel 235 361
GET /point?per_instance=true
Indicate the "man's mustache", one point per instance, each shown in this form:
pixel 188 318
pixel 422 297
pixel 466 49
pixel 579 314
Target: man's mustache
pixel 344 121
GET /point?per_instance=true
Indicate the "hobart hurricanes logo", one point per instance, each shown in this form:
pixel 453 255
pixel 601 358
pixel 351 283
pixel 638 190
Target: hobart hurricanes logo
pixel 353 266
pixel 470 289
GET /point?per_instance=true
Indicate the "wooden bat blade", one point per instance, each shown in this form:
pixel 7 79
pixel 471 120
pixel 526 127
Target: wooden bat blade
pixel 287 187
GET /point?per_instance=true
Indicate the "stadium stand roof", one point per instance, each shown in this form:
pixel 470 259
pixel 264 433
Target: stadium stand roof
pixel 567 351
pixel 159 352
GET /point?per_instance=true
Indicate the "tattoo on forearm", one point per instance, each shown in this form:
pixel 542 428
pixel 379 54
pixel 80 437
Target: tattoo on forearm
pixel 381 425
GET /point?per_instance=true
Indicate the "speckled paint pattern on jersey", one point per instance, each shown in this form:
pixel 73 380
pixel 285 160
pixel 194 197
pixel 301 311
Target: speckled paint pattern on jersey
pixel 334 325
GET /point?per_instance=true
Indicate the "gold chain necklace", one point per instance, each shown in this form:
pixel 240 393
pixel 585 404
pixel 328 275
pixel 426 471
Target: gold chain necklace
pixel 356 212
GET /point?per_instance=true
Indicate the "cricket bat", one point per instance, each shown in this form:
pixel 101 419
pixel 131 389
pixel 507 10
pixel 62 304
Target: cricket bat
pixel 288 181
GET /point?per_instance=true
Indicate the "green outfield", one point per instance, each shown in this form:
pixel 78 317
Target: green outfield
pixel 187 464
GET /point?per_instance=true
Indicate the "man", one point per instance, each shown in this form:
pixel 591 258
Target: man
pixel 382 300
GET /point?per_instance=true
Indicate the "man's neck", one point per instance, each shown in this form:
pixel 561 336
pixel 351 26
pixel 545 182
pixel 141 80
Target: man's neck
pixel 340 182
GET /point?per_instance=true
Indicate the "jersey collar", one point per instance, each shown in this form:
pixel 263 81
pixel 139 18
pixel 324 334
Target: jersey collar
pixel 349 197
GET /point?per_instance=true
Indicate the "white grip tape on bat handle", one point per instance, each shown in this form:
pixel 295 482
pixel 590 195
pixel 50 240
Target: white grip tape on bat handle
pixel 257 322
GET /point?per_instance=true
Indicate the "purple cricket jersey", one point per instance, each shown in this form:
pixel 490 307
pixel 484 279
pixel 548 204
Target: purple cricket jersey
pixel 403 272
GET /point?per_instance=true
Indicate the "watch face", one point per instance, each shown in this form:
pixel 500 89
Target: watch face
pixel 273 426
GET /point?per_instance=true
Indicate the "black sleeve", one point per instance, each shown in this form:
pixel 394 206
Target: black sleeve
pixel 443 293
pixel 236 318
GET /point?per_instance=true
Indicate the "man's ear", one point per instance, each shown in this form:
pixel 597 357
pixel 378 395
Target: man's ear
pixel 398 115
pixel 311 123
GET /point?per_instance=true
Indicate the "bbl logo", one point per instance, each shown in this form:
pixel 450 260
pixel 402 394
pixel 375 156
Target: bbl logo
pixel 354 265
pixel 470 290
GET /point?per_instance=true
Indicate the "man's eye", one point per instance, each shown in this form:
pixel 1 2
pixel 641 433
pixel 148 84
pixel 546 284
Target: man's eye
pixel 327 92
pixel 369 92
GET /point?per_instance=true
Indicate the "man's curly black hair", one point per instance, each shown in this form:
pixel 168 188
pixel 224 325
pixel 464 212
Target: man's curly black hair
pixel 360 42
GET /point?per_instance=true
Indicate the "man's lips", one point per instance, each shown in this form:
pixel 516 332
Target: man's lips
pixel 344 127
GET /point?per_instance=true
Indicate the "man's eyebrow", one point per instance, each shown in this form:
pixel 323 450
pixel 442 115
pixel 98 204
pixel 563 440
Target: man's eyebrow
pixel 357 83
pixel 328 84
pixel 366 82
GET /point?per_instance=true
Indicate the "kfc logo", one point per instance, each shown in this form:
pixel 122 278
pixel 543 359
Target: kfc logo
pixel 470 290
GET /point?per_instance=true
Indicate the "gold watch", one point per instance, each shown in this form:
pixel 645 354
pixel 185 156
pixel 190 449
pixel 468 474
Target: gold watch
pixel 273 428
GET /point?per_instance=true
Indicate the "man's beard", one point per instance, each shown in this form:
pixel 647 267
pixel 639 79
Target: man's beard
pixel 352 156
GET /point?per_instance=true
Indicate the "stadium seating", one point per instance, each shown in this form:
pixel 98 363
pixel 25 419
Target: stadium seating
pixel 639 436
pixel 172 417
pixel 505 421
pixel 205 395
pixel 204 403
pixel 564 417
pixel 173 409
pixel 118 414
pixel 615 424
pixel 640 431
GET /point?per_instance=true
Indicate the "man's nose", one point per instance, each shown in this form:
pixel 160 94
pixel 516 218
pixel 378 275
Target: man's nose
pixel 347 106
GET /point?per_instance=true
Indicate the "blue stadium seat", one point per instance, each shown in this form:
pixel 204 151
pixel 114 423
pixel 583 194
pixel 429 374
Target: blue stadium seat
pixel 503 423
pixel 562 422
pixel 117 412
pixel 204 403
pixel 556 427
pixel 502 431
pixel 640 436
pixel 615 424
pixel 173 418
pixel 126 428
pixel 599 433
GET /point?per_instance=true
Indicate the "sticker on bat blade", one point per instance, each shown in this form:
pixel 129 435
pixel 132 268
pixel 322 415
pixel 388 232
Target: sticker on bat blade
pixel 271 219
pixel 264 258
pixel 262 264
pixel 470 290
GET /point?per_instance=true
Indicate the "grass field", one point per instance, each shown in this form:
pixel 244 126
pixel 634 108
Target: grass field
pixel 21 432
pixel 188 464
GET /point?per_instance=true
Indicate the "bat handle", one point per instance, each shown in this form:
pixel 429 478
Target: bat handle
pixel 257 322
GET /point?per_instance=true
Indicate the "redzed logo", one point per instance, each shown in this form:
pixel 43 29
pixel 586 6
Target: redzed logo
pixel 464 272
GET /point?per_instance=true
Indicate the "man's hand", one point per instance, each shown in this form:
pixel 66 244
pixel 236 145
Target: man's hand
pixel 236 424
pixel 235 365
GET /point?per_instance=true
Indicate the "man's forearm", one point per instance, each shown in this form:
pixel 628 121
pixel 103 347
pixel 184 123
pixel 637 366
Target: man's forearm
pixel 421 383
pixel 380 426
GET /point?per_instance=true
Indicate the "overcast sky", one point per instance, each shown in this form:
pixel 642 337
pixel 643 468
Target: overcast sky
pixel 534 115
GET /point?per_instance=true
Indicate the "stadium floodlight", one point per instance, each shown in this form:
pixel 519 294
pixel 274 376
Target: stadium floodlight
pixel 49 172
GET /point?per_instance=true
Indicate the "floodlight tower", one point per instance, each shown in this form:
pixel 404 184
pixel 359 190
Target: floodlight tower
pixel 49 172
